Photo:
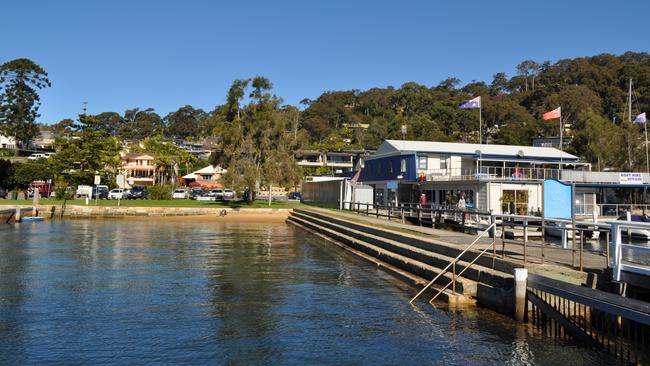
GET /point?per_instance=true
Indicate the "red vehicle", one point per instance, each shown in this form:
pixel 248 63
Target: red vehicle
pixel 44 189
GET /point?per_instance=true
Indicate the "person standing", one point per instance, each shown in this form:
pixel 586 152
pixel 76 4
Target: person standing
pixel 461 202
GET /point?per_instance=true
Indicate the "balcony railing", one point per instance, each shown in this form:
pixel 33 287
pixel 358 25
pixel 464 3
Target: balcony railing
pixel 489 173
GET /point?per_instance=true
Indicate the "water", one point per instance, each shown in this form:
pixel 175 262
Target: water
pixel 147 292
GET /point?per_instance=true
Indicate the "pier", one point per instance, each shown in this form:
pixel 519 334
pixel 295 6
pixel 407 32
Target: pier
pixel 569 290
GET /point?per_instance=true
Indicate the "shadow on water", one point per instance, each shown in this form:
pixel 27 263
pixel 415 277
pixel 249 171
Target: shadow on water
pixel 124 292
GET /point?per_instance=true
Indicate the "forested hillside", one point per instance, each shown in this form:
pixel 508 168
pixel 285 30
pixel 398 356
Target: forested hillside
pixel 592 92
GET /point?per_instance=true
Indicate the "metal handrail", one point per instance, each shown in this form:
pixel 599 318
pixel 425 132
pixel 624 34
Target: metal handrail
pixel 453 262
pixel 617 245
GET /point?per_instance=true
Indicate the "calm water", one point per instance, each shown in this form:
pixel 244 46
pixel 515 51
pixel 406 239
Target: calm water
pixel 118 292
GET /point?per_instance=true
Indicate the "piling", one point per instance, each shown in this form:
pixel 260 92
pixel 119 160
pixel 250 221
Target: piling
pixel 17 217
pixel 35 198
pixel 521 277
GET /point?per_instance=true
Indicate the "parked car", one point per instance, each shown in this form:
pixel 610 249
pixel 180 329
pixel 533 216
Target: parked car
pixel 217 193
pixel 44 189
pixel 100 192
pixel 228 194
pixel 116 194
pixel 295 196
pixel 137 192
pixel 179 193
pixel 198 192
pixel 37 156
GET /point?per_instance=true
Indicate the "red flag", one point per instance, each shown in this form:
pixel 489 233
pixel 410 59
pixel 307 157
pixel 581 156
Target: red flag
pixel 355 178
pixel 556 113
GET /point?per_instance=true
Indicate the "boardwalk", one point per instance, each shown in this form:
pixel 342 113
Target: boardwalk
pixel 556 259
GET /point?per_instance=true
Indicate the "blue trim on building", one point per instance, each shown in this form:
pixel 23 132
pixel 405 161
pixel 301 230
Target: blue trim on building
pixel 388 168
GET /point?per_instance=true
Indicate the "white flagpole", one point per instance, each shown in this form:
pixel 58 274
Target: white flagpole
pixel 561 146
pixel 647 161
pixel 480 131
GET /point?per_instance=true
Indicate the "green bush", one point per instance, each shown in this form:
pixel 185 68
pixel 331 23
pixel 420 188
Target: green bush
pixel 163 192
pixel 6 152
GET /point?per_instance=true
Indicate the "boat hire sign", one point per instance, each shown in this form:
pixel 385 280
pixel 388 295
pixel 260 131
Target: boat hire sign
pixel 630 178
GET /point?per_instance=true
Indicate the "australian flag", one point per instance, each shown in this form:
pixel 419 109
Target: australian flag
pixel 471 104
pixel 640 119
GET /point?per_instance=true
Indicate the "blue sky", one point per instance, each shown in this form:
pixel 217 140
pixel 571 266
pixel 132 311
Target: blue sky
pixel 165 54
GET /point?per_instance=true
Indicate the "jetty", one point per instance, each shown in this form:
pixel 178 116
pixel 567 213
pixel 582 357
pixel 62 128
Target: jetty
pixel 567 292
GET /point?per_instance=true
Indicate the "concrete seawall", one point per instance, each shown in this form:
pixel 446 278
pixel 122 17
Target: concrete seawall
pixel 79 211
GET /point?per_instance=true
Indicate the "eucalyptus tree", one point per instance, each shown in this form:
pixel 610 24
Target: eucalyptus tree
pixel 20 81
pixel 258 147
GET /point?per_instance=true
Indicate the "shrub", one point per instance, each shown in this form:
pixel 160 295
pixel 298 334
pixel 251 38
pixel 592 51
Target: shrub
pixel 163 192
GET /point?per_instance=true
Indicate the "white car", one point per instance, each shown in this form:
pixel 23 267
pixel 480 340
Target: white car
pixel 216 193
pixel 228 193
pixel 179 193
pixel 37 156
pixel 116 194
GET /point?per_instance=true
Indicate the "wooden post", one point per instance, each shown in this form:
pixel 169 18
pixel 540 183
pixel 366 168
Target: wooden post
pixel 402 213
pixel 17 217
pixel 525 240
pixel 521 277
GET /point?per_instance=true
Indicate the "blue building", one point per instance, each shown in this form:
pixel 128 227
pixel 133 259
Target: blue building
pixel 502 178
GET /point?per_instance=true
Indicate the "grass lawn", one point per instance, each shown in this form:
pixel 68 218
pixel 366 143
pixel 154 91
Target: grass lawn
pixel 169 203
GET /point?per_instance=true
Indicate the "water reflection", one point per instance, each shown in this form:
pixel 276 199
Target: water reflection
pixel 125 292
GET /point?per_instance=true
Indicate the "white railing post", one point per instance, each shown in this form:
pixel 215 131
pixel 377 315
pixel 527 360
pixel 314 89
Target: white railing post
pixel 615 244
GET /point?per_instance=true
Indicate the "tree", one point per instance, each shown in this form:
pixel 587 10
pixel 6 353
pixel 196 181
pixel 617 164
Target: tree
pixel 20 81
pixel 258 148
pixel 185 122
pixel 527 69
pixel 88 149
pixel 499 84
pixel 140 123
pixel 235 95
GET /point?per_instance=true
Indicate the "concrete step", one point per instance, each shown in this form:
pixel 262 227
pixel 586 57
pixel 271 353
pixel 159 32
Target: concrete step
pixel 474 272
pixel 463 285
pixel 414 280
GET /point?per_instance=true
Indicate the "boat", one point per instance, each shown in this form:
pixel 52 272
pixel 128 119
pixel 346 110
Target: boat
pixel 31 219
pixel 635 233
pixel 555 230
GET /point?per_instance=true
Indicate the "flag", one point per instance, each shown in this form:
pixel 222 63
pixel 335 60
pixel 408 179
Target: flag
pixel 556 113
pixel 640 118
pixel 471 104
pixel 355 178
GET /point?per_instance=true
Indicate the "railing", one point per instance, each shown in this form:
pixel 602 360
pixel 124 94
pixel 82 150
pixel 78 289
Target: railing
pixel 490 173
pixel 452 264
pixel 514 229
pixel 627 264
pixel 618 325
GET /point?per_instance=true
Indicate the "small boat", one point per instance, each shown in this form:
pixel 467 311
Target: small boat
pixel 555 230
pixel 636 233
pixel 31 219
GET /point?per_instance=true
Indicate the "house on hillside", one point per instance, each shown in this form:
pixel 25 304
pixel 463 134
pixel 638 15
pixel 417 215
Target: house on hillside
pixel 7 142
pixel 209 176
pixel 139 169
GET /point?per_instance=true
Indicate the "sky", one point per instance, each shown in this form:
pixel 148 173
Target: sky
pixel 121 54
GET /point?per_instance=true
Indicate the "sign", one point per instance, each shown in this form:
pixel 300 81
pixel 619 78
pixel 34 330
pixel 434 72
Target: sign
pixel 630 178
pixel 119 180
pixel 558 198
pixel 391 184
pixel 98 179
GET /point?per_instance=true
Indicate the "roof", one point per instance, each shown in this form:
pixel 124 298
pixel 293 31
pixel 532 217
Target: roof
pixel 137 155
pixel 390 147
pixel 208 170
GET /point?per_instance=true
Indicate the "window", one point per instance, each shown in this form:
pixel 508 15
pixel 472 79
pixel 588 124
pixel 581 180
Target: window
pixel 443 162
pixel 402 168
pixel 514 202
pixel 422 163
